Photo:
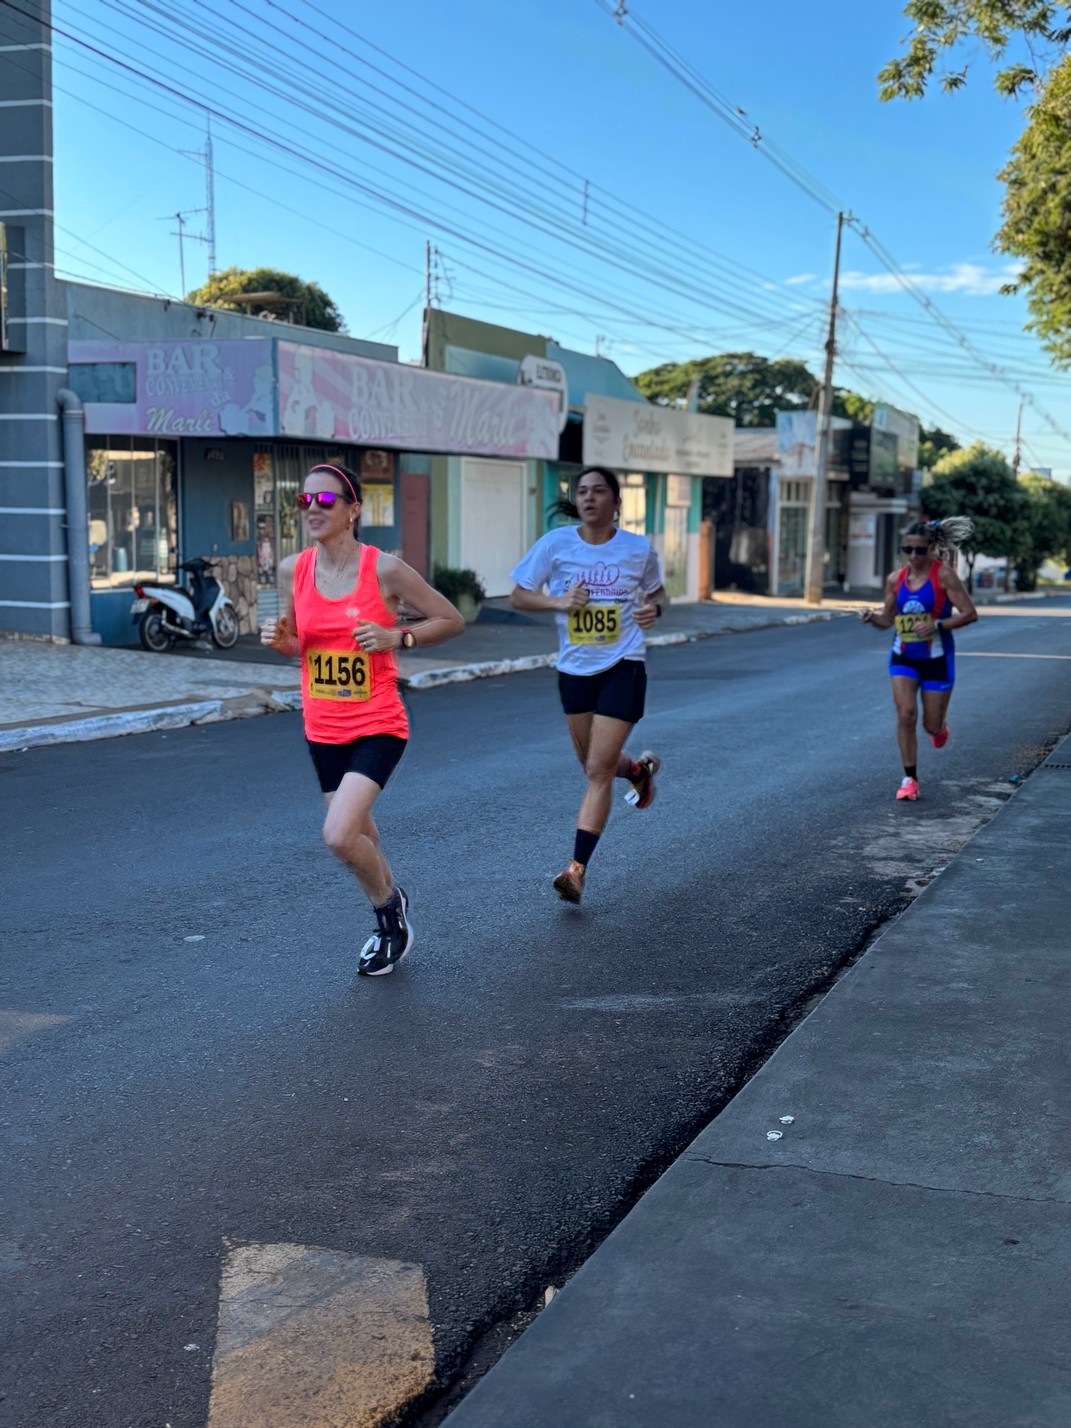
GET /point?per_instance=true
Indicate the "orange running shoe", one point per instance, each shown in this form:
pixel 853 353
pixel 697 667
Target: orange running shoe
pixel 940 739
pixel 642 793
pixel 570 885
pixel 909 788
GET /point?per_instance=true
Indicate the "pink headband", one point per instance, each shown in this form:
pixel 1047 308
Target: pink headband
pixel 345 478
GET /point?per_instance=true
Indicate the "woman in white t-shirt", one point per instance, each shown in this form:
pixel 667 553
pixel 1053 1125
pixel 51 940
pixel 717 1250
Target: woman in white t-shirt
pixel 606 587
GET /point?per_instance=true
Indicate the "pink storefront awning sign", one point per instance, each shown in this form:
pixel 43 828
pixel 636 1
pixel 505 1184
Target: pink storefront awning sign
pixel 333 396
pixel 192 388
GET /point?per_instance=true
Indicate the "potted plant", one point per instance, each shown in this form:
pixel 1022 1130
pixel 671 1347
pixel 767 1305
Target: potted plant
pixel 462 588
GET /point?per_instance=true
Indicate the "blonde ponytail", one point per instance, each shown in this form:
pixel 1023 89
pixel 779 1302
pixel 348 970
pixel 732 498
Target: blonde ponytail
pixel 946 535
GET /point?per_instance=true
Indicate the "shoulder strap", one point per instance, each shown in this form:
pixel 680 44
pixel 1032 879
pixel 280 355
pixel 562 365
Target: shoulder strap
pixel 303 566
pixel 901 577
pixel 939 596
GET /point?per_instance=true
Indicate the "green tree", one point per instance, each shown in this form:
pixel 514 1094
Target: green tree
pixel 1042 29
pixel 979 483
pixel 1047 528
pixel 1037 213
pixel 741 385
pixel 1028 40
pixel 933 444
pixel 311 306
pixel 749 388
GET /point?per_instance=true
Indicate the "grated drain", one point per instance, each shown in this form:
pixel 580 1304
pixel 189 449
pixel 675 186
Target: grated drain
pixel 1051 765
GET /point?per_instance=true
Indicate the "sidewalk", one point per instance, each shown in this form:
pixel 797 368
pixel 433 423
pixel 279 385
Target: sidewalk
pixel 64 693
pixel 877 1230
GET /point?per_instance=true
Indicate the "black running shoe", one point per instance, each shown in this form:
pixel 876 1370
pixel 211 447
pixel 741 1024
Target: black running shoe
pixel 391 940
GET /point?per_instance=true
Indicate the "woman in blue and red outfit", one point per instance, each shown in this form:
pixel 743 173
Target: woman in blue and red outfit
pixel 924 602
pixel 340 601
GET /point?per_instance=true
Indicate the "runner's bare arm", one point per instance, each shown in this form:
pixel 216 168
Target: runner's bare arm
pixel 281 634
pixel 575 598
pixel 401 585
pixel 961 600
pixel 885 618
pixel 649 606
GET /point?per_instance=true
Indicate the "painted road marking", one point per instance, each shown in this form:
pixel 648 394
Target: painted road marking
pixel 16 1026
pixel 316 1338
pixel 1003 654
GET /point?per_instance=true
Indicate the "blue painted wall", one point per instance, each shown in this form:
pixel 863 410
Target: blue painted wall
pixel 208 488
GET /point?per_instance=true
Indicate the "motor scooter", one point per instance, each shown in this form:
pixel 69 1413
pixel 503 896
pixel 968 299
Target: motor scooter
pixel 166 613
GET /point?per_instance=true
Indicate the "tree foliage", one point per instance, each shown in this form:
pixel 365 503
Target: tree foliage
pixel 1042 28
pixel 1028 41
pixel 741 385
pixel 933 444
pixel 1047 528
pixel 978 482
pixel 312 307
pixel 1037 213
pixel 748 388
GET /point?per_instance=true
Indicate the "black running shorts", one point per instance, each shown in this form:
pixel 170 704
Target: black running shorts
pixel 376 757
pixel 617 693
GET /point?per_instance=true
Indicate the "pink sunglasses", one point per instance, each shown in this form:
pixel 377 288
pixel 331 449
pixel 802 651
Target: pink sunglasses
pixel 326 500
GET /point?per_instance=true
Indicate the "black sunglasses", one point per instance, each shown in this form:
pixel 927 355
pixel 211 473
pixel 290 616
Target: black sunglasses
pixel 914 549
pixel 324 499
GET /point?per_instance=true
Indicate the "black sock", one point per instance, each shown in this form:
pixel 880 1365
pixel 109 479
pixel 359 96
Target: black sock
pixel 912 772
pixel 584 846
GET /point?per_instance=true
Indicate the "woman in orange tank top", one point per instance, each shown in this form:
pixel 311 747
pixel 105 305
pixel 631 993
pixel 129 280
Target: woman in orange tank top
pixel 340 601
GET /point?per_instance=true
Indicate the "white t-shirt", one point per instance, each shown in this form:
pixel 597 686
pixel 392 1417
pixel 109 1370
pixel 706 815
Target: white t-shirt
pixel 616 574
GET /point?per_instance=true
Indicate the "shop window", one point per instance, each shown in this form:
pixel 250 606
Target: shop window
pixel 133 511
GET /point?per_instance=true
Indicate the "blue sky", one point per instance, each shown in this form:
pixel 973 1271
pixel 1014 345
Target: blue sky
pixel 617 213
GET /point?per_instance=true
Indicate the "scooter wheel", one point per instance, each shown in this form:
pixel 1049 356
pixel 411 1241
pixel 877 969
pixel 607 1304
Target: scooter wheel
pixel 225 630
pixel 153 633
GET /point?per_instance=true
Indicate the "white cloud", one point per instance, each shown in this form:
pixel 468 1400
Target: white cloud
pixel 971 279
pixel 801 278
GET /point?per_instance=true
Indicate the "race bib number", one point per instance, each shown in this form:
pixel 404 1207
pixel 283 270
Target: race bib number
pixel 594 625
pixel 338 674
pixel 905 627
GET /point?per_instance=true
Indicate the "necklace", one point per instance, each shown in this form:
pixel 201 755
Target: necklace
pixel 335 574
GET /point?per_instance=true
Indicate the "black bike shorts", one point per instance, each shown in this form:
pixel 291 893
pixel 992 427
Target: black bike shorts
pixel 376 757
pixel 617 693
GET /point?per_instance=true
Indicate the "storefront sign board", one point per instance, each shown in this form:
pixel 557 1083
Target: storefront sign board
pixel 637 436
pixel 192 388
pixel 332 396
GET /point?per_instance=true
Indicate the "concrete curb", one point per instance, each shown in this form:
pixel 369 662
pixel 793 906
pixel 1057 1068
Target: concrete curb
pixel 146 721
pixel 263 701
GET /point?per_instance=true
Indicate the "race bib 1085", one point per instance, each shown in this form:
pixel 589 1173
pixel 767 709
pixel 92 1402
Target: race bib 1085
pixel 594 625
pixel 338 674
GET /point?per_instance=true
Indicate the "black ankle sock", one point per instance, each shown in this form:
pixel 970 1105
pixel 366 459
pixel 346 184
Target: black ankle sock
pixel 584 846
pixel 912 772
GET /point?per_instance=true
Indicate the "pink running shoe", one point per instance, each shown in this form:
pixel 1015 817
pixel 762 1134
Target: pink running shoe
pixel 940 739
pixel 909 788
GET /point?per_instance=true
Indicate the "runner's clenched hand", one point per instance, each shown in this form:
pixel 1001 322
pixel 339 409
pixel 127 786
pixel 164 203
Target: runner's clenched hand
pixel 575 598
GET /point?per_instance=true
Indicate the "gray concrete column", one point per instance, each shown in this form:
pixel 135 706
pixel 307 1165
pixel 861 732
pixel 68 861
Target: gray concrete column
pixel 33 545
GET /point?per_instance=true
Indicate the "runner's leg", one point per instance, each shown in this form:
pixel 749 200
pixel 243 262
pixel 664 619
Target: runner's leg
pixel 935 709
pixel 905 694
pixel 605 745
pixel 351 834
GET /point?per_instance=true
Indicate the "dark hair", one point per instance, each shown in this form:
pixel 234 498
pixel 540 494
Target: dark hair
pixel 351 488
pixel 564 507
pixel 946 536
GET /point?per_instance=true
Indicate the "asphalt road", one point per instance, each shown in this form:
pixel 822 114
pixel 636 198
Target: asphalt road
pixel 490 1111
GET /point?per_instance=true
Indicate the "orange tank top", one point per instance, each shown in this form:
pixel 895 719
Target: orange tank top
pixel 346 694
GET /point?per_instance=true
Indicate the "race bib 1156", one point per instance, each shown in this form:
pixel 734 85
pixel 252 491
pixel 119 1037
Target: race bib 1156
pixel 338 674
pixel 594 625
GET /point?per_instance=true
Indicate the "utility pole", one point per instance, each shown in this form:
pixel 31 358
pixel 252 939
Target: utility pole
pixel 1018 453
pixel 210 200
pixel 816 549
pixel 184 238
